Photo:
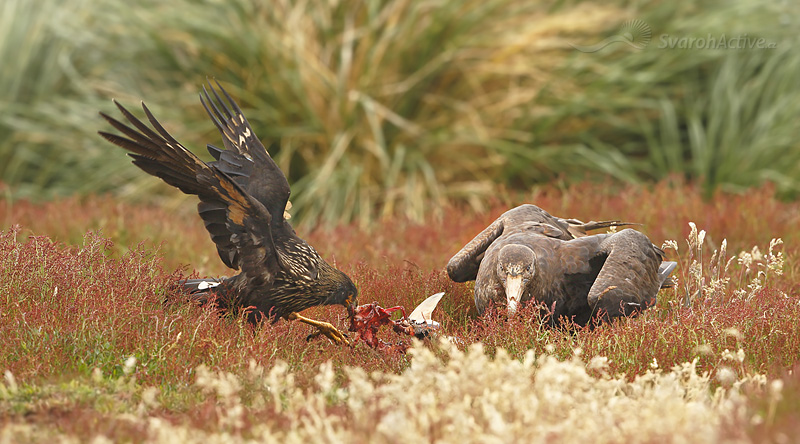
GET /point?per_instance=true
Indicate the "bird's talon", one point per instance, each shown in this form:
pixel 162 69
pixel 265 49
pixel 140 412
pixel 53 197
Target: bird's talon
pixel 330 332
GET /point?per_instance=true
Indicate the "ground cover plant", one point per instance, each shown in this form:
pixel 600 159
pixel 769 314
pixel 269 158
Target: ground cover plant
pixel 97 343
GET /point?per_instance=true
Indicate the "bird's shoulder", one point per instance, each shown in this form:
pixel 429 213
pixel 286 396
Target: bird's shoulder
pixel 530 236
pixel 298 258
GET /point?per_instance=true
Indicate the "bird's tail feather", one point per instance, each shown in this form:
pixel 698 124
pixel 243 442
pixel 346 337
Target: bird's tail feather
pixel 200 290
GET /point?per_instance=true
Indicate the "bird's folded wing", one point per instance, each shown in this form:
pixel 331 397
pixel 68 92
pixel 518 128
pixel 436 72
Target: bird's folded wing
pixel 527 218
pixel 464 265
pixel 628 280
pixel 249 224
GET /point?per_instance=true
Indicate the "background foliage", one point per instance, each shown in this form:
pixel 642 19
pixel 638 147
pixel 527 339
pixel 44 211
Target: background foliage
pixel 395 107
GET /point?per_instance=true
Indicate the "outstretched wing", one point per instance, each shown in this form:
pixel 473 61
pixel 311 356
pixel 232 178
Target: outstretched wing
pixel 244 158
pixel 243 237
pixel 631 275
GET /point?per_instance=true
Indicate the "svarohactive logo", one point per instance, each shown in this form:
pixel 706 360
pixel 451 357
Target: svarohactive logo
pixel 634 33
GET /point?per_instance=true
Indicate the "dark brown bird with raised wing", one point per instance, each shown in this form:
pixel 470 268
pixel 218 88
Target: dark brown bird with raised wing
pixel 243 195
pixel 528 254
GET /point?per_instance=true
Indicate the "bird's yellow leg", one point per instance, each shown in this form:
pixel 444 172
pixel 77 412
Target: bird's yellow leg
pixel 324 328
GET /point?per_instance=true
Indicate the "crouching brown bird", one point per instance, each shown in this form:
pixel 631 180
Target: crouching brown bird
pixel 243 196
pixel 529 255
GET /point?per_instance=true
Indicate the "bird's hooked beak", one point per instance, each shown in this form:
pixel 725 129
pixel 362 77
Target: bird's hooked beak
pixel 516 267
pixel 351 303
pixel 513 292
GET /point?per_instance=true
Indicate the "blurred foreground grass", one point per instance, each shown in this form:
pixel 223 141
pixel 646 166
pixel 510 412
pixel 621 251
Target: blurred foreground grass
pixel 395 107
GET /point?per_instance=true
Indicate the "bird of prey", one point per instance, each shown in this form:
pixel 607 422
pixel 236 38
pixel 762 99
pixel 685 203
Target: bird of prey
pixel 243 196
pixel 529 255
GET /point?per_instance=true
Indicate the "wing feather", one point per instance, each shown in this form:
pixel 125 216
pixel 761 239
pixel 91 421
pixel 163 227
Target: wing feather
pixel 248 222
pixel 238 223
pixel 629 279
pixel 245 156
pixel 464 265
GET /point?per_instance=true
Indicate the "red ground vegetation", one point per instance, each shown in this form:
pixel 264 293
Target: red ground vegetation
pixel 71 302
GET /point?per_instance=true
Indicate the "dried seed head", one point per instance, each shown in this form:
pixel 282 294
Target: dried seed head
pixel 745 260
pixel 776 389
pixel 130 364
pixel 670 244
pixel 775 259
pixel 733 332
pixel 728 264
pixel 703 349
pixel 756 253
pixel 692 239
pixel 598 363
pixel 726 376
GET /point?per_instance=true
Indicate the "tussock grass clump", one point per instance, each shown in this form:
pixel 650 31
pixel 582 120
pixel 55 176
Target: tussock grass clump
pixel 395 108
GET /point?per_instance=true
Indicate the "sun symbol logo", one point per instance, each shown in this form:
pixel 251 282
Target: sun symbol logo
pixel 635 33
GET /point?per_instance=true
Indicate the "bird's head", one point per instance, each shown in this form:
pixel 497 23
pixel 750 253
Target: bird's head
pixel 516 267
pixel 345 294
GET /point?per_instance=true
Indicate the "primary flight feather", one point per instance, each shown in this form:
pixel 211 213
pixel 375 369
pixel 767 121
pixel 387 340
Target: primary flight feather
pixel 243 196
